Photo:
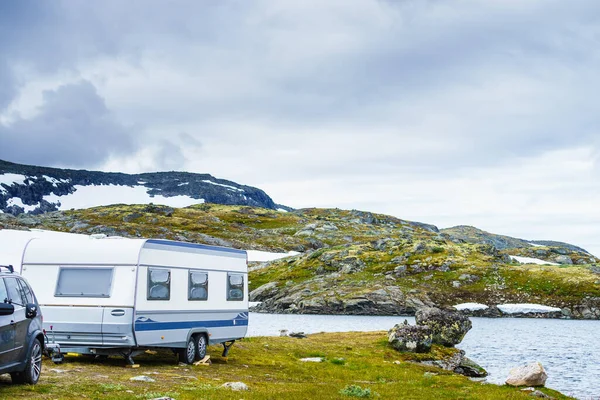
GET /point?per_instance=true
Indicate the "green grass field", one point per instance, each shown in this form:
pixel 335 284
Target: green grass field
pixel 355 365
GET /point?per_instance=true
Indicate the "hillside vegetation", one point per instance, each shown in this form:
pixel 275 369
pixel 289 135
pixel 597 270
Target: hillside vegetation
pixel 356 262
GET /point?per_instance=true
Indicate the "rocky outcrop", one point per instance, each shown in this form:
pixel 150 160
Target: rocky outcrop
pixel 388 300
pixel 448 327
pixel 527 375
pixel 405 337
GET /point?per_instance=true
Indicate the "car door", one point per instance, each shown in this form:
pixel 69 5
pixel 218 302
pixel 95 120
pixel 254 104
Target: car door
pixel 7 333
pixel 20 322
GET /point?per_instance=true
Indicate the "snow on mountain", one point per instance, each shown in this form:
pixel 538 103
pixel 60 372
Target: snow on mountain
pixel 33 189
pixel 94 195
pixel 530 260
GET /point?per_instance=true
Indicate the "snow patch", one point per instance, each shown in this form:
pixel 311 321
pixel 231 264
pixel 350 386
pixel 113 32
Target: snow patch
pixel 529 260
pixel 183 184
pixel 263 256
pixel 10 179
pixel 526 308
pixel 282 210
pixel 100 195
pixel 471 306
pixel 226 186
pixel 536 245
pixel 16 201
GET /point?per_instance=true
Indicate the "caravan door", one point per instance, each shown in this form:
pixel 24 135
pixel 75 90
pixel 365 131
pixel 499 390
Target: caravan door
pixel 117 327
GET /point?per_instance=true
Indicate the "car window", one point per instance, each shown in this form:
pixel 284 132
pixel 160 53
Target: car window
pixel 3 292
pixel 26 292
pixel 14 291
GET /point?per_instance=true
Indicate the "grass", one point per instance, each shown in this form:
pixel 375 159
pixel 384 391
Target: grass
pixel 271 368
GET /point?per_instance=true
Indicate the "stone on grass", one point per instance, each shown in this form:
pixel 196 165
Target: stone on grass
pixel 527 375
pixel 142 378
pixel 312 359
pixel 415 339
pixel 448 327
pixel 468 367
pixel 237 386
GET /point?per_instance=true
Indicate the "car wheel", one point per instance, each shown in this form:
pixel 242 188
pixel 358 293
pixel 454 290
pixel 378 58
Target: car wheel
pixel 33 368
pixel 188 354
pixel 200 347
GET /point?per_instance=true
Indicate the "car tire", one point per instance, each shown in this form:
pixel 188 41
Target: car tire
pixel 188 354
pixel 201 344
pixel 33 368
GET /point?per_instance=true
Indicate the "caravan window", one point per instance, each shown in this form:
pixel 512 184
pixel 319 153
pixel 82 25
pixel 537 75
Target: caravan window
pixel 84 282
pixel 159 284
pixel 198 286
pixel 235 287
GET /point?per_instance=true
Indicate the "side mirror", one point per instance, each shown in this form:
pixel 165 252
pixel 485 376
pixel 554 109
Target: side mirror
pixel 6 309
pixel 31 310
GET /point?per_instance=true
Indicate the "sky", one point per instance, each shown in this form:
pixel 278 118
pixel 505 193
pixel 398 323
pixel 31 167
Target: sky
pixel 462 112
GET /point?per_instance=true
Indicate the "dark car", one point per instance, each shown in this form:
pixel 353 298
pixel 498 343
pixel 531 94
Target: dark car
pixel 21 334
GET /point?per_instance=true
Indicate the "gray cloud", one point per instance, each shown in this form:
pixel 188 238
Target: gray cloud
pixel 73 127
pixel 392 105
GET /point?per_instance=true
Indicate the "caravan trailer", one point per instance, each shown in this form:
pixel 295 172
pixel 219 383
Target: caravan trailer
pixel 123 296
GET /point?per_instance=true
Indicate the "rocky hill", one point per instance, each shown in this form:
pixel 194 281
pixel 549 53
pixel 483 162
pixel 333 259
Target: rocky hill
pixel 546 250
pixel 351 262
pixel 35 190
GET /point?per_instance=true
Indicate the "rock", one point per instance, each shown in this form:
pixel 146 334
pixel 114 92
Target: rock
pixel 405 337
pixel 283 332
pixel 312 359
pixel 236 386
pixel 468 367
pixel 448 363
pixel 533 392
pixel 527 375
pixel 297 335
pixel 163 398
pixel 263 292
pixel 564 260
pixel 131 217
pixel 447 327
pixel 142 378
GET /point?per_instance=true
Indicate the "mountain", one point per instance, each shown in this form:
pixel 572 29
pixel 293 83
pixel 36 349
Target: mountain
pixel 35 190
pixel 352 262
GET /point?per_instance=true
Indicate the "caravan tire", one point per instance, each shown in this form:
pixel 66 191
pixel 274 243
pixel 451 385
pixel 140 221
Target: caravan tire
pixel 188 354
pixel 201 344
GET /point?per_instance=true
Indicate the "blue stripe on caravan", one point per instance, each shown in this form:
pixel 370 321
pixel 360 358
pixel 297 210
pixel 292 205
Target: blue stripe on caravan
pixel 160 326
pixel 195 246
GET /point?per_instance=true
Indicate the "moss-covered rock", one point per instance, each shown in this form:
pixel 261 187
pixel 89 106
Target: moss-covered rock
pixel 447 327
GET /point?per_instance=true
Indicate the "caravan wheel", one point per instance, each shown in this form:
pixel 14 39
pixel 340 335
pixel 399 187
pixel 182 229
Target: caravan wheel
pixel 200 346
pixel 188 354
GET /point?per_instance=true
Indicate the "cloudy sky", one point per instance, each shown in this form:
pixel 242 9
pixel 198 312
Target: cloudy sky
pixel 447 112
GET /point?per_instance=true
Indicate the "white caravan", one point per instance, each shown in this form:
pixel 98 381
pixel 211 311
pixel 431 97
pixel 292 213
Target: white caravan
pixel 122 296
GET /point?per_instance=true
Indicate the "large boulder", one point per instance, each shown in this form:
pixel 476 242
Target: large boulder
pixel 448 327
pixel 405 337
pixel 527 375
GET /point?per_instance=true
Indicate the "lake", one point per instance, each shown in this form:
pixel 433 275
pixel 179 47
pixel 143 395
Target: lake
pixel 569 350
